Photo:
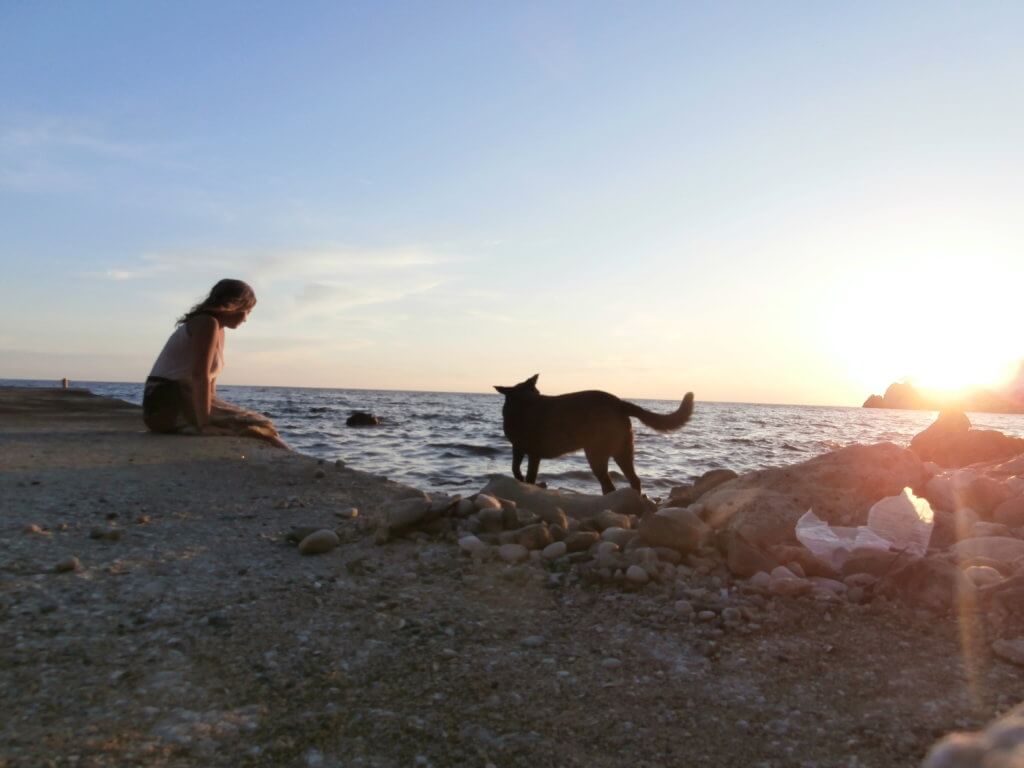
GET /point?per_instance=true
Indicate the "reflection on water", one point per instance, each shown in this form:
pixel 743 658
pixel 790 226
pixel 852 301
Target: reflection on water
pixel 453 441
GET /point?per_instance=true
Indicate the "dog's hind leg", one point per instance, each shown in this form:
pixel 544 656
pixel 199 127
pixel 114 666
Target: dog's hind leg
pixel 532 467
pixel 624 458
pixel 598 461
pixel 517 463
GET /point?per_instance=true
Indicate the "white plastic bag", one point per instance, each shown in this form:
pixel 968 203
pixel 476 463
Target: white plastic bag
pixel 834 545
pixel 902 523
pixel 906 521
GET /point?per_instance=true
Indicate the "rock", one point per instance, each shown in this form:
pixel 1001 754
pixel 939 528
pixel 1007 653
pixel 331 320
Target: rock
pixel 580 506
pixel 931 582
pixel 487 501
pixel 68 565
pixel 465 508
pixel 637 575
pixel 1010 512
pixel 999 548
pixel 534 536
pixel 534 641
pixel 606 519
pixel 619 536
pixel 732 615
pixel 950 527
pixel 984 494
pixel 744 559
pixel 347 514
pixel 667 555
pixel 873 562
pixel 940 494
pixel 319 474
pixel 32 528
pixel 800 560
pixel 402 515
pixel 1011 651
pixel 982 575
pixel 981 530
pixel 510 517
pixel 513 553
pixel 785 583
pixel 105 534
pixel 554 517
pixel 950 442
pixel 319 542
pixel 684 496
pixel 580 541
pixel 761 581
pixel 611 663
pixel 492 519
pixel 840 486
pixel 685 609
pixel 362 419
pixel 554 550
pixel 473 546
pixel 676 528
pixel 958 750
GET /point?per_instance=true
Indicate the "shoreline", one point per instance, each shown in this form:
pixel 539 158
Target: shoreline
pixel 194 633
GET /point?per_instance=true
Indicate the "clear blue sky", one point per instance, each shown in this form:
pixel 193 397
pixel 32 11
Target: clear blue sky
pixel 779 202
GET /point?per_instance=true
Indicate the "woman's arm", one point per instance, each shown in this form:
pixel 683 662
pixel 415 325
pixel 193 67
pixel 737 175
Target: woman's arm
pixel 203 330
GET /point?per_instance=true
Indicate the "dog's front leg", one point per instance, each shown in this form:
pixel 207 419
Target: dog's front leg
pixel 517 463
pixel 532 467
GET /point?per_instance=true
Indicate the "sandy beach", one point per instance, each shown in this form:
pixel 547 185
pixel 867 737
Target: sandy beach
pixel 192 632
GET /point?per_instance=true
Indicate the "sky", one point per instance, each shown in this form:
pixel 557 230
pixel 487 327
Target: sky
pixel 795 202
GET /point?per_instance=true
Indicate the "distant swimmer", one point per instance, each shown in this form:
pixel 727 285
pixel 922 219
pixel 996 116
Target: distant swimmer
pixel 181 390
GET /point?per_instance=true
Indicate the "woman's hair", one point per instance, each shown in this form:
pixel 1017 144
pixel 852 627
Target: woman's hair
pixel 226 296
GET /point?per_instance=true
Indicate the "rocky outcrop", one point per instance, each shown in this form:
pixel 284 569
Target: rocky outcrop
pixel 906 396
pixel 951 442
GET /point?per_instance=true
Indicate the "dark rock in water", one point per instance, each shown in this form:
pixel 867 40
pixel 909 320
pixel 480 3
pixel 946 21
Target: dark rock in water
pixel 950 442
pixel 362 419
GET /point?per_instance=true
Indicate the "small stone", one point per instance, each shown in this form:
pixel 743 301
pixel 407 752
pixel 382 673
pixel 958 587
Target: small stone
pixel 611 663
pixel 105 534
pixel 580 541
pixel 534 641
pixel 486 501
pixel 319 474
pixel 1010 650
pixel 534 536
pixel 33 528
pixel 513 553
pixel 465 508
pixel 142 520
pixel 636 575
pixel 685 608
pixel 706 616
pixel 732 615
pixel 68 565
pixel 856 595
pixel 554 551
pixel 347 514
pixel 473 546
pixel 339 464
pixel 761 581
pixel 319 542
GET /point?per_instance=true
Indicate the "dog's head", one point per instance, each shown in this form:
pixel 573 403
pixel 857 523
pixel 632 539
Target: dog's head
pixel 528 387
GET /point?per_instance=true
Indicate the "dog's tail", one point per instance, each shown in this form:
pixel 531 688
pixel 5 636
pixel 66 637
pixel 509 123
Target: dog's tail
pixel 663 422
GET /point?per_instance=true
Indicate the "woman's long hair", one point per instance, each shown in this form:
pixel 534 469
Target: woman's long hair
pixel 226 296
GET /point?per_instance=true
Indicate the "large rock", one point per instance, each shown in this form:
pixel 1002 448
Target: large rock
pixel 1010 512
pixel 684 495
pixel 581 506
pixel 950 442
pixel 1002 549
pixel 840 487
pixel 675 528
pixel 999 746
pixel 931 582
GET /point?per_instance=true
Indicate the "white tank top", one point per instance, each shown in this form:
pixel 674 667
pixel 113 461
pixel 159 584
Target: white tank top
pixel 175 360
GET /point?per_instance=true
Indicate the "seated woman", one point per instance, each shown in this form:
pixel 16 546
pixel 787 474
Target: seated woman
pixel 181 391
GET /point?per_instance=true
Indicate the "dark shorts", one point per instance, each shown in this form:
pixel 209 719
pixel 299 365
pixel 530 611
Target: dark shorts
pixel 167 405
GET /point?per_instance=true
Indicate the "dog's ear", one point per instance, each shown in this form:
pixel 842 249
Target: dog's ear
pixel 503 390
pixel 532 381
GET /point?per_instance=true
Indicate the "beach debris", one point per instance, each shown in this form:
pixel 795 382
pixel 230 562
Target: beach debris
pixel 319 542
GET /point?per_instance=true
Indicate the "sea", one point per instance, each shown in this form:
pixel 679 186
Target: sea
pixel 452 442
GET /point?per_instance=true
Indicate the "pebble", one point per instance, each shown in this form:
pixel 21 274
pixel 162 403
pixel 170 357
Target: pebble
pixel 68 565
pixel 32 528
pixel 554 551
pixel 473 546
pixel 513 553
pixel 636 574
pixel 347 514
pixel 465 508
pixel 732 615
pixel 534 641
pixel 983 575
pixel 486 501
pixel 105 534
pixel 319 474
pixel 707 616
pixel 684 608
pixel 319 542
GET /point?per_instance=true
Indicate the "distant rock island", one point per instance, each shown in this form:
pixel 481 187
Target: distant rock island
pixel 903 395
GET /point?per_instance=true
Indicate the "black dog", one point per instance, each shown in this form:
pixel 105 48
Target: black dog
pixel 542 427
